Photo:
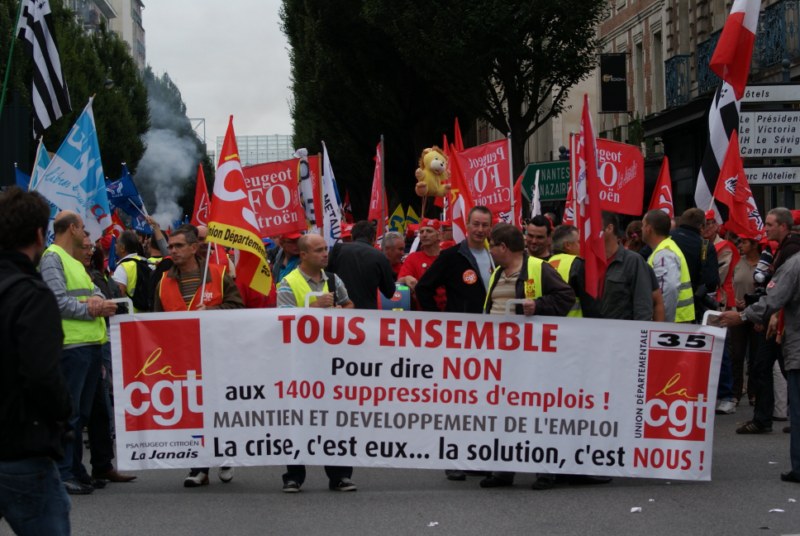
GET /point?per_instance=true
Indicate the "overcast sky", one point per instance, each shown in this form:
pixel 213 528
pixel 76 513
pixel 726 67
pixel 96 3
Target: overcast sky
pixel 226 58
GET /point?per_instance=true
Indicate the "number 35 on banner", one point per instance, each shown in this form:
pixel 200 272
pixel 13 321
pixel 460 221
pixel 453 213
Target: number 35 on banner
pixel 670 340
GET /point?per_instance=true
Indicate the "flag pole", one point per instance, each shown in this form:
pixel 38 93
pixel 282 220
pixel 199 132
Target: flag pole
pixel 382 223
pixel 205 276
pixel 32 187
pixel 10 56
pixel 511 176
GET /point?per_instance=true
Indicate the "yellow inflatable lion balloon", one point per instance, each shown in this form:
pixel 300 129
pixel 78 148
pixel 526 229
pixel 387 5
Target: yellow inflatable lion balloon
pixel 432 175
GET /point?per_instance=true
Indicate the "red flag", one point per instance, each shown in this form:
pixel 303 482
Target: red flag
pixel 458 143
pixel 569 207
pixel 734 191
pixel 377 200
pixel 232 222
pixel 486 172
pixel 517 216
pixel 347 208
pixel 734 51
pixel 116 227
pixel 662 194
pixel 316 183
pixel 202 203
pixel 460 200
pixel 588 215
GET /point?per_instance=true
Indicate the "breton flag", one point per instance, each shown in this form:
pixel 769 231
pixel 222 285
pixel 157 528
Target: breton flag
pixel 731 61
pixel 232 222
pixel 662 194
pixel 734 51
pixel 734 191
pixel 723 119
pixel 50 95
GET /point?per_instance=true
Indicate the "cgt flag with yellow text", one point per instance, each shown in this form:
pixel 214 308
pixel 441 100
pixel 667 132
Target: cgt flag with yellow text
pixel 233 223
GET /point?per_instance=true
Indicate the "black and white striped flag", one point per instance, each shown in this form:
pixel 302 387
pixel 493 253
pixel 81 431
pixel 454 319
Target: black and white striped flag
pixel 49 93
pixel 723 119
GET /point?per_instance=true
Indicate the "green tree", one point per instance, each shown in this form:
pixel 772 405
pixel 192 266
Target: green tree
pixel 350 85
pixel 121 106
pixel 510 62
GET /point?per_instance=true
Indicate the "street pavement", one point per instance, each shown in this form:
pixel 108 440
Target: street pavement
pixel 744 497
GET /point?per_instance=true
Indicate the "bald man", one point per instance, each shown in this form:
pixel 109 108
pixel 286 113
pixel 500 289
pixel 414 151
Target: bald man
pixel 82 307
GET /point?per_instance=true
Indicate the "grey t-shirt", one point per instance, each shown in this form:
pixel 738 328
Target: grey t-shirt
pixel 484 265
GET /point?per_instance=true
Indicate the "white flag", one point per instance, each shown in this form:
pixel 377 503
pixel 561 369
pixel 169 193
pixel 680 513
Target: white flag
pixel 331 212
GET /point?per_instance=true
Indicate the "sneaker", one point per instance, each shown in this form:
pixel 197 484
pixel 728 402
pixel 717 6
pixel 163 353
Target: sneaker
pixel 290 486
pixel 226 474
pixel 455 474
pixel 790 477
pixel 74 487
pixel 344 484
pixel 195 479
pixel 726 407
pixel 96 483
pixel 752 428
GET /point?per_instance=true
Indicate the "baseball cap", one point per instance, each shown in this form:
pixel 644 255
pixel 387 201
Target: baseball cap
pixel 294 235
pixel 430 222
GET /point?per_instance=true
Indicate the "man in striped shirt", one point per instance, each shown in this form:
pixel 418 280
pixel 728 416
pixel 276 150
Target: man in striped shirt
pixel 179 290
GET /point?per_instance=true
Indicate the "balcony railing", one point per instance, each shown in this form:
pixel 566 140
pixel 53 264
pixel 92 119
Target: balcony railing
pixel 677 80
pixel 707 81
pixel 777 34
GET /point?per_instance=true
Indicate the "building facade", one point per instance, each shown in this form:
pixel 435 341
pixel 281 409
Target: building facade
pixel 669 86
pixel 128 25
pixel 260 149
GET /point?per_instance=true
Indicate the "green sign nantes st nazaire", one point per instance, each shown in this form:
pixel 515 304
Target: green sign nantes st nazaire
pixel 553 180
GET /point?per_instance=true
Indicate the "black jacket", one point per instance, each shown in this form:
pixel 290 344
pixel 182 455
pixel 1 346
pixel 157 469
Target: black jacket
pixel 364 271
pixel 34 401
pixel 557 296
pixel 457 271
pixel 703 272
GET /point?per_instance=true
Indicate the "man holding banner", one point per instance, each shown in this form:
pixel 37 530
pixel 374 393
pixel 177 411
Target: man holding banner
pixel 180 290
pixel 311 276
pixel 521 276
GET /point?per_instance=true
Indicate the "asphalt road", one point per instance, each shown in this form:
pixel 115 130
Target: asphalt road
pixel 744 497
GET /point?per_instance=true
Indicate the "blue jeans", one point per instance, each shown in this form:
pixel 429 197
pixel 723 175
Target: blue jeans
pixel 32 498
pixel 793 385
pixel 725 385
pixel 81 368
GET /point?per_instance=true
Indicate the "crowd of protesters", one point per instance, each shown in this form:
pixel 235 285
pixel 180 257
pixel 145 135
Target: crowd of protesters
pixel 56 379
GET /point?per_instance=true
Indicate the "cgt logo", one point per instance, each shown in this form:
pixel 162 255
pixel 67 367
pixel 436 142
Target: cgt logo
pixel 676 404
pixel 161 374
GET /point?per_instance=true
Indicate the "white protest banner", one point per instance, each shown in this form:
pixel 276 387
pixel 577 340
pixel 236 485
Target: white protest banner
pixel 272 191
pixel 343 387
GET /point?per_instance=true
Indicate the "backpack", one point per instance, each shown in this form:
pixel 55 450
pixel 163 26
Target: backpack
pixel 142 297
